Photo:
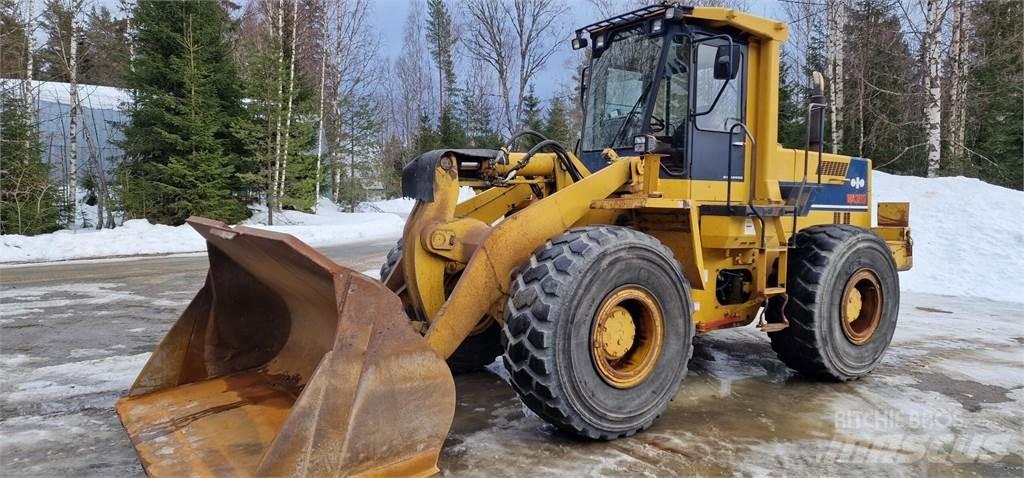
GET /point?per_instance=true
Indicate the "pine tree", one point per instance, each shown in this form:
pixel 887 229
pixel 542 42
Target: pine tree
pixel 28 198
pixel 181 148
pixel 440 41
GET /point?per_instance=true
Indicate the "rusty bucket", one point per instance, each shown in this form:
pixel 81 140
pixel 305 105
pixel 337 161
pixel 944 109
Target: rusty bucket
pixel 287 364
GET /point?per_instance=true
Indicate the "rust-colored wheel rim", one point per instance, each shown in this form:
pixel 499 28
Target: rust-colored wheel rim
pixel 861 307
pixel 627 337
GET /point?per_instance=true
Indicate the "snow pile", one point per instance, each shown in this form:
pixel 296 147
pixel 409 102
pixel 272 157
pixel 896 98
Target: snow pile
pixel 967 240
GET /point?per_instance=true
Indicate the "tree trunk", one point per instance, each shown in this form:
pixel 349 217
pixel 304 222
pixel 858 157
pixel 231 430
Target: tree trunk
pixel 291 98
pixel 933 86
pixel 958 86
pixel 352 163
pixel 30 27
pixel 73 120
pixel 325 32
pixel 836 43
pixel 275 174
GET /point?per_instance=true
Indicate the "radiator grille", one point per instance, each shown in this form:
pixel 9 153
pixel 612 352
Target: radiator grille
pixel 833 168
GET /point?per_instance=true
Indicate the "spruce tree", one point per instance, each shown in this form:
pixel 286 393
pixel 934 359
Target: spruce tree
pixel 108 60
pixel 477 115
pixel 792 121
pixel 557 125
pixel 182 156
pixel 532 117
pixel 28 198
pixel 995 135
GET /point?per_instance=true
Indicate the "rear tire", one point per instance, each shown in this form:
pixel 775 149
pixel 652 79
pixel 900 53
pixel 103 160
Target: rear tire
pixel 477 351
pixel 828 338
pixel 558 301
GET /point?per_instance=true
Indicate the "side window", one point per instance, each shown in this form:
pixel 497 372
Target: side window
pixel 729 109
pixel 672 106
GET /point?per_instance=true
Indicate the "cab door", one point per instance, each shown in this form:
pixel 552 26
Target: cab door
pixel 710 140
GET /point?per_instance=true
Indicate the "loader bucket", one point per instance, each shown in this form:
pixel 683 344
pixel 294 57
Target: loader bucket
pixel 287 364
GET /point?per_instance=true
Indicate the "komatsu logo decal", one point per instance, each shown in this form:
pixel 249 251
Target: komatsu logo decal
pixel 852 195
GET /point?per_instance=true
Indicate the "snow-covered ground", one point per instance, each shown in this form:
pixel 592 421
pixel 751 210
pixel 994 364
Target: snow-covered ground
pixel 965 237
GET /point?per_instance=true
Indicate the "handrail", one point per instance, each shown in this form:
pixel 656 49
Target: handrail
pixel 728 172
pixel 807 147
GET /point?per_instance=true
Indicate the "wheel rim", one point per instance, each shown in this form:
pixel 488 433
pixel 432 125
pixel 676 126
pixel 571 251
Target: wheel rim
pixel 627 337
pixel 861 306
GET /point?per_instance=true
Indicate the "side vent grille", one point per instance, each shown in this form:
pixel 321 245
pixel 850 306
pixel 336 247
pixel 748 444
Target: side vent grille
pixel 833 168
pixel 840 218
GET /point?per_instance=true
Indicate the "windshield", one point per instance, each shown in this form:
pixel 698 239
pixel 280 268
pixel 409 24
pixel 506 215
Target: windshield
pixel 620 82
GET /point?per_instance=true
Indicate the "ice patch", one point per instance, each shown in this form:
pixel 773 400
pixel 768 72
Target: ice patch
pixel 72 379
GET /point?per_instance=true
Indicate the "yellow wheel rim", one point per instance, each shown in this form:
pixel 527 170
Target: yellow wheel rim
pixel 627 337
pixel 861 307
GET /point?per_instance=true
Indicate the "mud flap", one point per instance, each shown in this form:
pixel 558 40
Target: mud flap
pixel 286 363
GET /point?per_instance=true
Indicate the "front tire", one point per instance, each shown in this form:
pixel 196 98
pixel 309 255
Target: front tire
pixel 843 303
pixel 598 331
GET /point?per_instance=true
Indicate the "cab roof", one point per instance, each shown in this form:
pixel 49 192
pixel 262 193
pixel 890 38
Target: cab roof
pixel 711 16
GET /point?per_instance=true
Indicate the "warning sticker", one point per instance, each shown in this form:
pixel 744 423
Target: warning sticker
pixel 748 227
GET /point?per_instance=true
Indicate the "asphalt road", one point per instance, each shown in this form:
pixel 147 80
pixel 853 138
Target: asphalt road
pixel 948 399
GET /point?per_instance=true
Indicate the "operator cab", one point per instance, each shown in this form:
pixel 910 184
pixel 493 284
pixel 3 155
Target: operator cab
pixel 657 83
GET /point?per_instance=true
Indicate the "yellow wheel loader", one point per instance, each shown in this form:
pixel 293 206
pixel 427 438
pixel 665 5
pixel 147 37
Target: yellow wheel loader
pixel 588 272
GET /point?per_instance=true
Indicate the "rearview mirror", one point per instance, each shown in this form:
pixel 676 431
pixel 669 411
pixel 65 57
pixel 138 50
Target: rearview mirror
pixel 727 62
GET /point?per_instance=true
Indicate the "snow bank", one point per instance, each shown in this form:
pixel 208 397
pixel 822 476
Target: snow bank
pixel 967 240
pixel 135 237
pixel 138 237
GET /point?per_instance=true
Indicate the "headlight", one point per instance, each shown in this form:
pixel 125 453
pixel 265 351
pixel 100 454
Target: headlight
pixel 599 41
pixel 657 25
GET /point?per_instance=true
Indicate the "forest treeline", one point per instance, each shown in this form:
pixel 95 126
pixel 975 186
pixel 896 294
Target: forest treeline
pixel 281 102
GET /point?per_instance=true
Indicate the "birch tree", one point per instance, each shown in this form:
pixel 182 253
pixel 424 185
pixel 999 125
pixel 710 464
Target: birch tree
pixel 414 85
pixel 30 29
pixel 958 66
pixel 836 34
pixel 325 18
pixel 489 40
pixel 515 38
pixel 72 181
pixel 930 46
pixel 272 190
pixel 291 98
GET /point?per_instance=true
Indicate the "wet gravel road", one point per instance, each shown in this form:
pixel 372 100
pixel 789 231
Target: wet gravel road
pixel 948 400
